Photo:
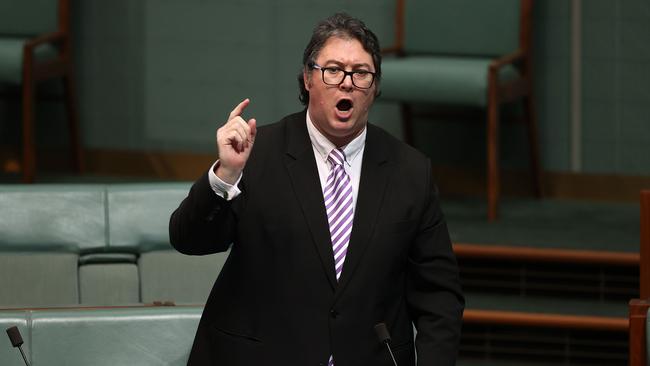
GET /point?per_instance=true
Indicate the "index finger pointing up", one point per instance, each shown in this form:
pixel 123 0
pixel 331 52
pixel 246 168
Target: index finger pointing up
pixel 239 109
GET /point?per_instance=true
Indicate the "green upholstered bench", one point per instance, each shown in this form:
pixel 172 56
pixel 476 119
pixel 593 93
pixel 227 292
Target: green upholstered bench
pixel 96 245
pixel 138 221
pixel 103 336
pixel 43 228
pixel 8 355
pixel 107 278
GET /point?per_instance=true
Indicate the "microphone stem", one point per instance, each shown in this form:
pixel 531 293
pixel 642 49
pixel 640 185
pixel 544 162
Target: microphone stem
pixel 391 353
pixel 24 357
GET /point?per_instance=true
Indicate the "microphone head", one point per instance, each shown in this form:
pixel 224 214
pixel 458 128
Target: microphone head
pixel 382 333
pixel 15 337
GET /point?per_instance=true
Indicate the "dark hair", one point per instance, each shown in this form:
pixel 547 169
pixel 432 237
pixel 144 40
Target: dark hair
pixel 343 26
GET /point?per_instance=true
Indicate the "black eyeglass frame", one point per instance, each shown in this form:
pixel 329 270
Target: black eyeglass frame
pixel 315 66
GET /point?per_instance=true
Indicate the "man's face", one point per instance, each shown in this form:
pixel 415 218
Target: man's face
pixel 340 112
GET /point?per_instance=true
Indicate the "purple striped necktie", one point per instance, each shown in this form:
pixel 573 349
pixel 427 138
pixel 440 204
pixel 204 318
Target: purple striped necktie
pixel 340 210
pixel 339 207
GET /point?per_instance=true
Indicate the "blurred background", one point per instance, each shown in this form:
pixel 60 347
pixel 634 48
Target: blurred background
pixel 548 282
pixel 156 78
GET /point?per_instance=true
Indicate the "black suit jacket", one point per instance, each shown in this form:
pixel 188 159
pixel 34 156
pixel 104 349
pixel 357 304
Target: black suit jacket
pixel 277 301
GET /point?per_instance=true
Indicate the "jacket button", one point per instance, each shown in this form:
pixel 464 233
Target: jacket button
pixel 334 313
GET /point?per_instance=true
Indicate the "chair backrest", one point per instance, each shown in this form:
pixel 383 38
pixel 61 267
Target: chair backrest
pixel 146 336
pixel 47 217
pixel 461 27
pixel 42 230
pixel 102 336
pixel 139 214
pixel 138 222
pixel 28 17
pixel 10 356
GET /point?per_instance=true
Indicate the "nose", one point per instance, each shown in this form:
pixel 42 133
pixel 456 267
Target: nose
pixel 347 84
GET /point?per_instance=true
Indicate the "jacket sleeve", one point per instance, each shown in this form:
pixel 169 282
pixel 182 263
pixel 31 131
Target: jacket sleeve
pixel 204 223
pixel 434 293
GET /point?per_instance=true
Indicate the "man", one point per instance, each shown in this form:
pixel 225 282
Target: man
pixel 334 225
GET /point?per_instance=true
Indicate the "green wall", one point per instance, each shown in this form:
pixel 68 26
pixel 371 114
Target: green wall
pixel 616 86
pixel 163 75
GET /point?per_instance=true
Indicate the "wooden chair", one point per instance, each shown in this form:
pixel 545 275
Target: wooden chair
pixel 35 45
pixel 465 54
pixel 639 307
pixel 644 249
pixel 637 330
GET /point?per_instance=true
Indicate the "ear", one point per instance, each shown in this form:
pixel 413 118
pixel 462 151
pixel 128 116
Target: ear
pixel 306 78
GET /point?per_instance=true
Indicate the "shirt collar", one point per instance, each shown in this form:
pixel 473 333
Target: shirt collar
pixel 324 146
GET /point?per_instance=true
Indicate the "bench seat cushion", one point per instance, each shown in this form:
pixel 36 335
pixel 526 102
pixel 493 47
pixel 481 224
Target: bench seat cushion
pixel 166 275
pixel 38 279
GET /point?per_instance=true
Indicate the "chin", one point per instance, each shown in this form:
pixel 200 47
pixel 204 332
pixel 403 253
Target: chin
pixel 347 128
pixel 345 125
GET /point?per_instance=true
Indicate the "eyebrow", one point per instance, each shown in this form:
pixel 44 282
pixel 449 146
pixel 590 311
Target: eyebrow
pixel 339 63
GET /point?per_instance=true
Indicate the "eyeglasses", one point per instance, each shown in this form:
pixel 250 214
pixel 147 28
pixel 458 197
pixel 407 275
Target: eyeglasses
pixel 362 79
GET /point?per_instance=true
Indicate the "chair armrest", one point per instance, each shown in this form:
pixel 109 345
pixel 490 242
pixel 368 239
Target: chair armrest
pixel 53 37
pixel 508 59
pixel 637 332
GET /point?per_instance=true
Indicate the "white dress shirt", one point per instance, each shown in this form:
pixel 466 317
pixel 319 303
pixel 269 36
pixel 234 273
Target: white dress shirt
pixel 322 148
pixel 353 156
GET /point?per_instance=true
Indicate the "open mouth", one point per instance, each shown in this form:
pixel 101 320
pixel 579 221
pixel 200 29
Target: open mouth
pixel 344 105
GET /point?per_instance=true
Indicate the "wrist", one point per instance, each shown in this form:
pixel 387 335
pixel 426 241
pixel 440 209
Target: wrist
pixel 227 175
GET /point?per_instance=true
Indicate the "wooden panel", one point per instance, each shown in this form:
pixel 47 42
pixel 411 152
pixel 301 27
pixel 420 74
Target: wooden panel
pixel 644 280
pixel 176 166
pixel 547 255
pixel 546 320
pixel 638 314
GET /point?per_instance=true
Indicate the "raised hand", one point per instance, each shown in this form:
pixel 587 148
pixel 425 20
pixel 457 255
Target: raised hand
pixel 235 141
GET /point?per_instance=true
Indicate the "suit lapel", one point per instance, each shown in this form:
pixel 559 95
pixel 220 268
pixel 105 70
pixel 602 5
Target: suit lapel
pixel 374 178
pixel 301 165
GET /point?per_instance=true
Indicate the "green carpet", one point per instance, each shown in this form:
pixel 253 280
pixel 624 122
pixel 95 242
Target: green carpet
pixel 546 224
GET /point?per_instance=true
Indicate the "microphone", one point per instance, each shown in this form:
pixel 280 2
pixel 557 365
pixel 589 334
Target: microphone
pixel 384 337
pixel 17 341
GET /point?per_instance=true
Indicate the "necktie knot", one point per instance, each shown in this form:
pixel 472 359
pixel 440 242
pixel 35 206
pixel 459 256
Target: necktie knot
pixel 336 157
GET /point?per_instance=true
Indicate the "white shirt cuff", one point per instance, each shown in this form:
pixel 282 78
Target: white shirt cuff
pixel 221 188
